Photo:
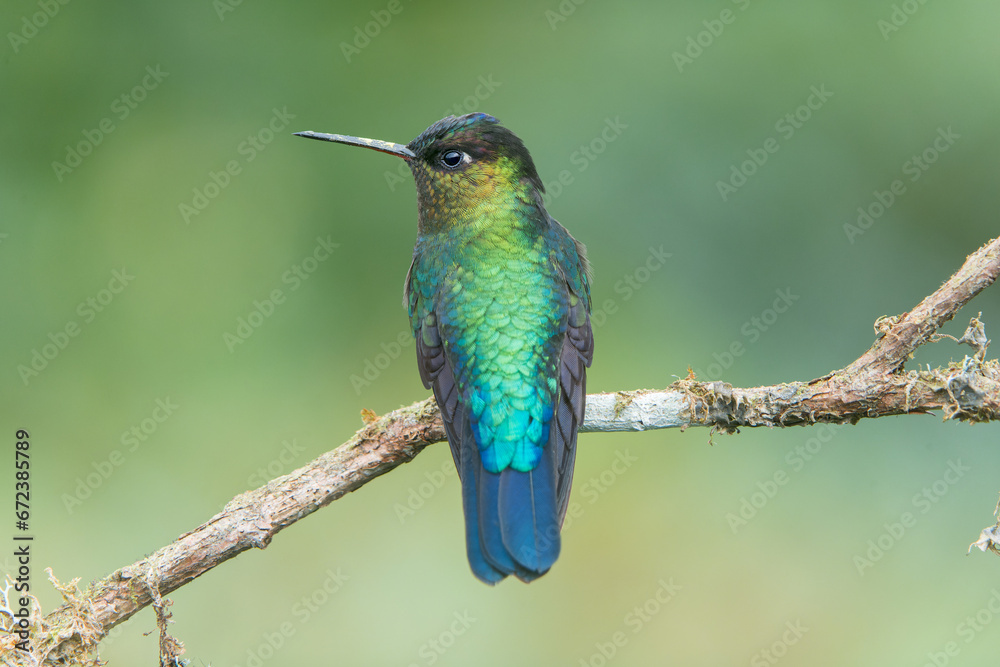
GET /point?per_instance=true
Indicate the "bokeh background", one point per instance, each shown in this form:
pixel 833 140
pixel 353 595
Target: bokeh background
pixel 604 98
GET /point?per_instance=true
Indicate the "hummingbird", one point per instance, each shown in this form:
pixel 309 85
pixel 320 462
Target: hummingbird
pixel 498 296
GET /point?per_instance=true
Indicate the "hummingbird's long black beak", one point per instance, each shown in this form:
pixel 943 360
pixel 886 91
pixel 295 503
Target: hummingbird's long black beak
pixel 399 150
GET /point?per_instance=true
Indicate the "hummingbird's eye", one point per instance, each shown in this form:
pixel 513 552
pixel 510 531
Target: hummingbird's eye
pixel 451 159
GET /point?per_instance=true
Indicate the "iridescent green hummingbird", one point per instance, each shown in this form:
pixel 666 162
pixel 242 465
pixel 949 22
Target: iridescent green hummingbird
pixel 499 302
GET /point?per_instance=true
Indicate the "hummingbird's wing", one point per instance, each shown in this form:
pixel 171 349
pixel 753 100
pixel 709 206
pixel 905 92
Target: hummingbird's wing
pixel 576 356
pixel 431 362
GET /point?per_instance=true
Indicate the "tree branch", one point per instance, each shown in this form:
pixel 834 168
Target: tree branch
pixel 874 385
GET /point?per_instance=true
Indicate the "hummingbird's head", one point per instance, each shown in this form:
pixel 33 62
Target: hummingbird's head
pixel 467 162
pixel 466 167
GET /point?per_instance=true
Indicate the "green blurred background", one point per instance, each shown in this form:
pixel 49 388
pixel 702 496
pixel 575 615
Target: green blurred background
pixel 229 72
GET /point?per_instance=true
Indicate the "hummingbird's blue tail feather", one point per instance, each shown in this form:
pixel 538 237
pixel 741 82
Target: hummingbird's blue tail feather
pixel 491 523
pixel 529 517
pixel 511 517
pixel 487 570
